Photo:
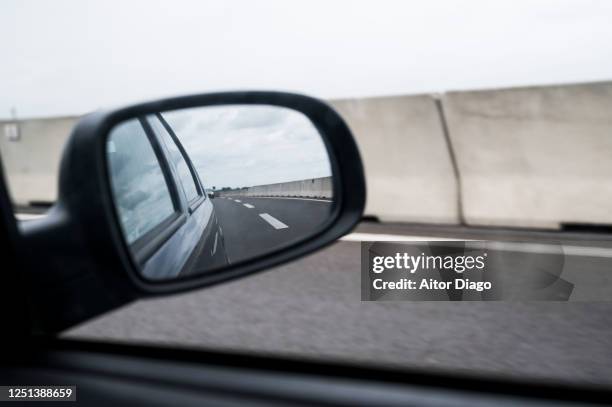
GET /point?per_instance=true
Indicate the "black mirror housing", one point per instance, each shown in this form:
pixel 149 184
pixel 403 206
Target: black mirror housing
pixel 79 245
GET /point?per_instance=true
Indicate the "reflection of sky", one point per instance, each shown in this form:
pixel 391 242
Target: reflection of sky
pixel 242 145
pixel 139 187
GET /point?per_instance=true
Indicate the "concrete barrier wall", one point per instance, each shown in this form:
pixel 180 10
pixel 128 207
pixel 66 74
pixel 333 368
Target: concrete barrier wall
pixel 525 157
pixel 409 174
pixel 310 188
pixel 534 157
pixel 31 163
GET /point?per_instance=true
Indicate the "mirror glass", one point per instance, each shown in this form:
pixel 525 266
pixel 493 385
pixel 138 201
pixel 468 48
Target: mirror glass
pixel 200 188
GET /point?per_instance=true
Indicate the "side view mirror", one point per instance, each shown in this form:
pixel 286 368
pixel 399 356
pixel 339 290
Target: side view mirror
pixel 136 208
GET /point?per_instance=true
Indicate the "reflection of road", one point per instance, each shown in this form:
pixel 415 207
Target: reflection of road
pixel 253 226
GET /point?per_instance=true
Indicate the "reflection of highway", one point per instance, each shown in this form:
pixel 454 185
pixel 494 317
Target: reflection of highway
pixel 253 226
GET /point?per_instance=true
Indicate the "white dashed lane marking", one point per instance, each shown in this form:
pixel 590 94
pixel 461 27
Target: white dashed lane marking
pixel 237 200
pixel 249 206
pixel 519 247
pixel 276 224
pixel 291 197
pixel 214 249
pixel 378 237
pixel 28 216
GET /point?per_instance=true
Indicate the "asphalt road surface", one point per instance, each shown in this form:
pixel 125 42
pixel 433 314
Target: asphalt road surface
pixel 253 226
pixel 311 308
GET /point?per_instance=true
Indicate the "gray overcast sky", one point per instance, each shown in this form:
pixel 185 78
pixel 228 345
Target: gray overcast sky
pixel 237 146
pixel 70 57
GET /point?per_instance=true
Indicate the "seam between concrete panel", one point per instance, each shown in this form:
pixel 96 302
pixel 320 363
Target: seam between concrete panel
pixel 453 157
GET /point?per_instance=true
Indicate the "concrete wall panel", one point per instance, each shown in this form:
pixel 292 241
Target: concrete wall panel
pixel 534 157
pixel 31 163
pixel 409 174
pixel 308 188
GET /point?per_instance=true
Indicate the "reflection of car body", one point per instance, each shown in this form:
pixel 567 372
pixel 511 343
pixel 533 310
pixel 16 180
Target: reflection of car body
pixel 167 218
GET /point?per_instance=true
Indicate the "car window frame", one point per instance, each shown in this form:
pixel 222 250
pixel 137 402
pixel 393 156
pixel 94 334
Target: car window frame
pixel 194 203
pixel 147 244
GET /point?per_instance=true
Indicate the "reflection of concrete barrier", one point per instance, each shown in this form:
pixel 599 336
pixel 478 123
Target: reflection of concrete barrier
pixel 31 163
pixel 308 188
pixel 409 173
pixel 534 156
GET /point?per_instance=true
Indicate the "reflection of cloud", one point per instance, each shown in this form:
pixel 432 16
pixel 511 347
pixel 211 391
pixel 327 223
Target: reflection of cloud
pixel 139 187
pixel 245 145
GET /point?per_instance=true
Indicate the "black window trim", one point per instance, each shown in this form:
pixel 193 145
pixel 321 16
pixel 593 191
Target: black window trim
pixel 195 202
pixel 147 244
